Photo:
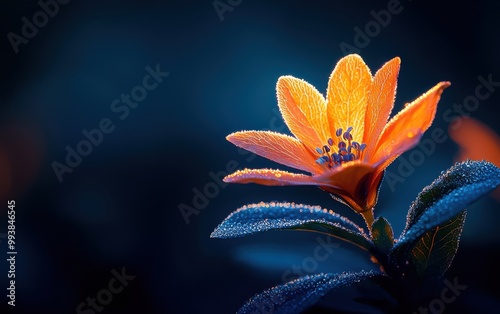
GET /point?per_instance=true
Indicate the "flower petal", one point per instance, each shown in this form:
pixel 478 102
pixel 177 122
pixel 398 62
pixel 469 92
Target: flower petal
pixel 354 183
pixel 406 128
pixel 277 147
pixel 304 110
pixel 380 102
pixel 269 177
pixel 476 141
pixel 347 95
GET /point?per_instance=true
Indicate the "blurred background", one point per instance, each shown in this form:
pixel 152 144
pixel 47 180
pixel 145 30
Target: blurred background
pixel 212 68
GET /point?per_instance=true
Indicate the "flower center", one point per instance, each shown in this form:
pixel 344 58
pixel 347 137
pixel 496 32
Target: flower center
pixel 346 150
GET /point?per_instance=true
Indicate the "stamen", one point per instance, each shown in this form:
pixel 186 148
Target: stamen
pixel 344 151
pixel 336 158
pixel 347 136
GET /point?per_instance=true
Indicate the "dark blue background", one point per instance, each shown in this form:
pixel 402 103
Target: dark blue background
pixel 120 206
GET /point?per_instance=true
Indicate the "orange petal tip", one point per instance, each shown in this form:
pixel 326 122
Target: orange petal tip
pixel 444 84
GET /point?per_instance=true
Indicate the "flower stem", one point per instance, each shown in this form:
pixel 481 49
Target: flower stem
pixel 368 216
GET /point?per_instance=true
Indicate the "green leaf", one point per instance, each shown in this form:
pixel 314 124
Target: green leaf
pixel 300 294
pixel 434 252
pixel 438 204
pixel 271 216
pixel 382 235
pixel 445 198
pixel 465 176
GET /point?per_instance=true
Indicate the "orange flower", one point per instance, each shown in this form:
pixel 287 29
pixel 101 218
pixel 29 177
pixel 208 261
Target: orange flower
pixel 476 142
pixel 343 141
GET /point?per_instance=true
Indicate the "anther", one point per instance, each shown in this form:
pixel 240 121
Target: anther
pixel 348 150
pixel 336 158
pixel 347 136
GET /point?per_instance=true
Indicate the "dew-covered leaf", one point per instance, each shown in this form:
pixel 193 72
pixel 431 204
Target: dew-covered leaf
pixel 434 252
pixel 466 175
pixel 300 294
pixel 444 199
pixel 261 217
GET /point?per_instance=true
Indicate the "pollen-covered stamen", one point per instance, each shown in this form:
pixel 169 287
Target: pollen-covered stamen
pixel 344 151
